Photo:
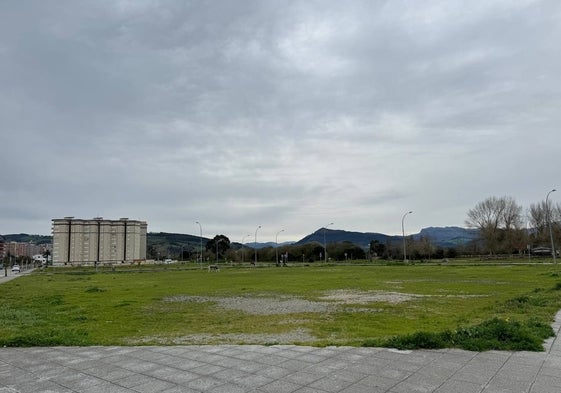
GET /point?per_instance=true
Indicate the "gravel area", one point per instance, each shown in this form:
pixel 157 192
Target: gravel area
pixel 260 305
pixel 330 301
pixel 345 296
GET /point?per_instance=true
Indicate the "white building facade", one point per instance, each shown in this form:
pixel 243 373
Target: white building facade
pixel 93 241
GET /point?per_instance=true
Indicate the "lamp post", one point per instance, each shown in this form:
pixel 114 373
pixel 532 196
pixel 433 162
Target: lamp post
pixel 403 233
pixel 325 243
pixel 255 244
pixel 242 244
pixel 217 241
pixel 528 247
pixel 277 246
pixel 549 224
pixel 201 246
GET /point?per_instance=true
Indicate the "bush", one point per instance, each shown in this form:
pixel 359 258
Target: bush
pixel 53 338
pixel 494 334
pixel 426 340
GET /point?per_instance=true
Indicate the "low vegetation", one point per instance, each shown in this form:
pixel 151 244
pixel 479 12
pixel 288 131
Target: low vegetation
pixel 471 307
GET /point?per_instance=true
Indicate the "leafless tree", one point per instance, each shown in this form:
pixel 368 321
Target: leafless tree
pixel 539 214
pixel 512 224
pixel 499 220
pixel 538 217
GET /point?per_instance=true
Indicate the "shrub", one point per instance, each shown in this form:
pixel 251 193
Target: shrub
pixel 494 334
pixel 426 340
pixel 53 338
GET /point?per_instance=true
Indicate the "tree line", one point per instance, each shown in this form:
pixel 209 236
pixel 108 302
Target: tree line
pixel 220 248
pixel 505 228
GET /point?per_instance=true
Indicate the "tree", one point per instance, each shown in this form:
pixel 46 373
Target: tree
pixel 496 219
pixel 219 243
pixel 377 249
pixel 539 214
pixel 512 223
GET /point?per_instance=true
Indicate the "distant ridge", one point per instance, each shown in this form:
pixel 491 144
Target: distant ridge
pixel 264 245
pixel 445 237
pixel 338 236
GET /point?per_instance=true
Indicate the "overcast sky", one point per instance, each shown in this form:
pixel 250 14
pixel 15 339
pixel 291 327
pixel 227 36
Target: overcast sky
pixel 285 114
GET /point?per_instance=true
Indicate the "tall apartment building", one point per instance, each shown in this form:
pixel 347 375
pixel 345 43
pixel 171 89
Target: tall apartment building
pixel 92 241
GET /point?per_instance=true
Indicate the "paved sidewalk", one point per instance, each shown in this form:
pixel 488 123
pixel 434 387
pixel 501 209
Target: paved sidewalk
pixel 283 368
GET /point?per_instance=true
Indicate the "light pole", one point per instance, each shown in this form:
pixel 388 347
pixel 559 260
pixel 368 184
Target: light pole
pixel 277 246
pixel 403 233
pixel 217 241
pixel 549 224
pixel 242 244
pixel 255 244
pixel 528 246
pixel 201 247
pixel 325 243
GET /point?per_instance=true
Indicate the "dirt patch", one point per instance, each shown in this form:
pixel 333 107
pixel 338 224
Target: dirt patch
pixel 260 305
pixel 329 302
pixel 348 296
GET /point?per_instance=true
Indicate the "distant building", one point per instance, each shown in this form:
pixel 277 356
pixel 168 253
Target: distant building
pixel 92 241
pixel 27 249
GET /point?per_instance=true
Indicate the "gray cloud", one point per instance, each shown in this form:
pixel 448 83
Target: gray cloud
pixel 287 115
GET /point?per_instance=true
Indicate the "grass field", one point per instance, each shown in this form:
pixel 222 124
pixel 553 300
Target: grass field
pixel 473 307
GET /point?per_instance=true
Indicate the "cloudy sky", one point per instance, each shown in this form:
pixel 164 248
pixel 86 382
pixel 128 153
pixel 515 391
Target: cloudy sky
pixel 285 114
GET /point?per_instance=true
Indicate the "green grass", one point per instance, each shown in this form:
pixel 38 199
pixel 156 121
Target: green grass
pixel 464 306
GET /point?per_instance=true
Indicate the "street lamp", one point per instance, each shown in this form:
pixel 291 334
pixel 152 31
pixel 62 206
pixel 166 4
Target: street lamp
pixel 549 224
pixel 403 233
pixel 324 243
pixel 242 244
pixel 276 246
pixel 218 241
pixel 201 247
pixel 255 263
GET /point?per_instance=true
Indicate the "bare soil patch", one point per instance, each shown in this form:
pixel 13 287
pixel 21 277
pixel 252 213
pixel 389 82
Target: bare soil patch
pixel 348 296
pixel 327 302
pixel 260 305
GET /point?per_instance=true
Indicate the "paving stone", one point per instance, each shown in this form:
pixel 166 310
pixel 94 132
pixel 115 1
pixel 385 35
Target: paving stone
pixel 280 387
pixel 452 386
pixel 332 383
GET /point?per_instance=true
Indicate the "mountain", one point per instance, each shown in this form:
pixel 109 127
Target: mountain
pixel 174 239
pixel 448 236
pixel 25 238
pixel 442 237
pixel 337 236
pixel 264 245
pixel 445 237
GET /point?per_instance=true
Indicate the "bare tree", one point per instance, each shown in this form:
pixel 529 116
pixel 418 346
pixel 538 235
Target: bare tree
pixel 512 224
pixel 539 214
pixel 498 219
pixel 538 217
